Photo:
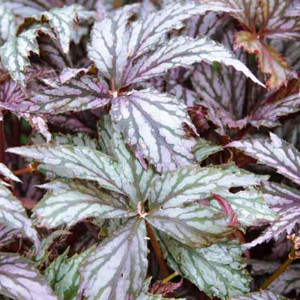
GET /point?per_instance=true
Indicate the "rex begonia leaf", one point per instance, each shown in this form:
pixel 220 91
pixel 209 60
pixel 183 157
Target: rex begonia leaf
pixel 6 172
pixel 7 24
pixel 20 279
pixel 264 295
pixel 137 178
pixel 115 44
pixel 273 152
pixel 77 94
pixel 43 254
pixel 79 139
pixel 62 21
pixel 192 183
pixel 285 201
pixel 8 235
pixel 248 205
pixel 52 53
pixel 68 202
pixel 194 224
pixel 76 162
pixel 152 123
pixel 207 24
pixel 123 260
pixel 272 18
pixel 108 38
pixel 28 8
pixel 87 4
pixel 15 52
pixel 219 85
pixel 205 148
pixel 286 283
pixel 105 133
pixel 148 32
pixel 13 215
pixel 184 51
pixel 217 270
pixel 63 274
pixel 268 113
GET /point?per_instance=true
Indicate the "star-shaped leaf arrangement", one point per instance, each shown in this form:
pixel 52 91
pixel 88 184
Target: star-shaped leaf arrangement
pixel 91 183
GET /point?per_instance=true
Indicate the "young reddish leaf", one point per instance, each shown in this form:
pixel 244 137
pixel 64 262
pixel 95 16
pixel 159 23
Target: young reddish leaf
pixel 165 288
pixel 145 295
pixel 247 207
pixel 270 61
pixel 194 225
pixel 226 207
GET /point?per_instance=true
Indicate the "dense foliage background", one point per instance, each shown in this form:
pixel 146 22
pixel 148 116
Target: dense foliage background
pixel 149 149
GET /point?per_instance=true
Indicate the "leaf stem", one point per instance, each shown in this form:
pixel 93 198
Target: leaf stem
pixel 29 169
pixel 2 143
pixel 169 278
pixel 280 270
pixel 162 265
pixel 118 3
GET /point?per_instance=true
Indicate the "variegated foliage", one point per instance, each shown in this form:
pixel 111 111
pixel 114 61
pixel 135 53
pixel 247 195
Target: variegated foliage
pixel 19 278
pixel 260 296
pixel 285 159
pixel 226 98
pixel 230 101
pixel 264 20
pixel 125 52
pixel 127 87
pixel 12 213
pixel 119 187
